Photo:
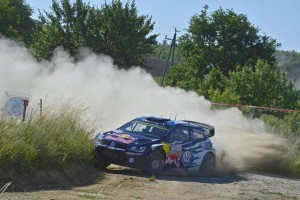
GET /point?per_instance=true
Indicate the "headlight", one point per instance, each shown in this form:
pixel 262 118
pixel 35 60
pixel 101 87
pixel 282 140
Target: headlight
pixel 138 149
pixel 98 137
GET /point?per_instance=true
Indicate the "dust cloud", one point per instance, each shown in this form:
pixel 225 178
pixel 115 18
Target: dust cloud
pixel 115 96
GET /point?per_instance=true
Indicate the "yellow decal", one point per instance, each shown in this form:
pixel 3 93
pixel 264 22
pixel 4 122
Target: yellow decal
pixel 167 147
pixel 124 136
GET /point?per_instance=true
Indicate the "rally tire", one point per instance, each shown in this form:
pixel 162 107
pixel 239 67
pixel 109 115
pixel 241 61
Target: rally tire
pixel 155 164
pixel 208 165
pixel 100 163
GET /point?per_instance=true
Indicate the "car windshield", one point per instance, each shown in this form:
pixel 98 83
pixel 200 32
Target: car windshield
pixel 145 128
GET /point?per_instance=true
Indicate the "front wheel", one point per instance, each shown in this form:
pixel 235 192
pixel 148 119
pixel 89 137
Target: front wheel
pixel 155 164
pixel 208 166
pixel 99 162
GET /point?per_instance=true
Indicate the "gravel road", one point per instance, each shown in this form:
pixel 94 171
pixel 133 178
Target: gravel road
pixel 130 184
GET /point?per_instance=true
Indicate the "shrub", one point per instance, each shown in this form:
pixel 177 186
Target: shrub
pixel 57 140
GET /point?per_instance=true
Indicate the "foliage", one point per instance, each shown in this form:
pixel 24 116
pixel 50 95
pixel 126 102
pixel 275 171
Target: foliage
pixel 223 39
pixel 54 141
pixel 225 97
pixel 183 76
pixel 115 29
pixel 214 80
pixel 292 122
pixel 264 86
pixel 126 35
pixel 162 50
pixel 65 27
pixel 289 127
pixel 15 21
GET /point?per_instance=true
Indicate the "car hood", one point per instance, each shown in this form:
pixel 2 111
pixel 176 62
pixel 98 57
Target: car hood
pixel 126 138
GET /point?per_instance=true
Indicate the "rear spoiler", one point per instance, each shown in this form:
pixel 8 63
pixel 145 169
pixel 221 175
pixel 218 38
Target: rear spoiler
pixel 209 130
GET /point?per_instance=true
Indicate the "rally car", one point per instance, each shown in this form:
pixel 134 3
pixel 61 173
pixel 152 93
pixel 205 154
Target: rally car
pixel 154 144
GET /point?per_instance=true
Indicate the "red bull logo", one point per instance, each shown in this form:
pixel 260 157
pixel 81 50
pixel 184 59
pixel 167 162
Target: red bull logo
pixel 123 138
pixel 174 158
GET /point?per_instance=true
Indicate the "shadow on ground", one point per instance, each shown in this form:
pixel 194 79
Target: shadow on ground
pixel 179 175
pixel 68 179
pixel 52 180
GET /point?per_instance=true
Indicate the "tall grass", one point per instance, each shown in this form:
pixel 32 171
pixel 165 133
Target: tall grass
pixel 289 128
pixel 57 140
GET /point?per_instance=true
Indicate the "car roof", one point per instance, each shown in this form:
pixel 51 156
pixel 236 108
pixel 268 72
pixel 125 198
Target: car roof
pixel 165 122
pixel 170 124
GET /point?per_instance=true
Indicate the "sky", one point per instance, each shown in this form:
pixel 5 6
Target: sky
pixel 278 19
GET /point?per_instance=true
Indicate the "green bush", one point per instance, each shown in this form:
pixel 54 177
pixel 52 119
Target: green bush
pixel 54 141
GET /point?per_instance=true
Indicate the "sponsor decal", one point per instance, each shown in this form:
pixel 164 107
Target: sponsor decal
pixel 186 158
pixel 176 148
pixel 166 147
pixel 173 158
pixel 123 138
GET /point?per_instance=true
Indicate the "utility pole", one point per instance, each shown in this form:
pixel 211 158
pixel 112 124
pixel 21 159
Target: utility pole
pixel 172 50
pixel 41 107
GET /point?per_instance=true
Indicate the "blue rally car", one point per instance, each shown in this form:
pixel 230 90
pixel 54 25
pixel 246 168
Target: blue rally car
pixel 154 144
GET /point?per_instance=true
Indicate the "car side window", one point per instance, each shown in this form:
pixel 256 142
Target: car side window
pixel 198 134
pixel 180 134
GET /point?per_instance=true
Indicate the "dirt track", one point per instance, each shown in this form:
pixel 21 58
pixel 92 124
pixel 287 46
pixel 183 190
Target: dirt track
pixel 123 183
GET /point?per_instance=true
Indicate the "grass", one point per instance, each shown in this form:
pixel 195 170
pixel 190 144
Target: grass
pixel 55 141
pixel 289 128
pixel 4 188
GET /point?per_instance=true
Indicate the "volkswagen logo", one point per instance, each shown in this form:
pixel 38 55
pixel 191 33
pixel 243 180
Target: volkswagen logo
pixel 113 144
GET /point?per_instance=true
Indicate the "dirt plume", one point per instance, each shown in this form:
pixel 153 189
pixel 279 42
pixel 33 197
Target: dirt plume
pixel 116 96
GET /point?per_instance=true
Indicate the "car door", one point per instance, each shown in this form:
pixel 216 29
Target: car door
pixel 179 139
pixel 186 149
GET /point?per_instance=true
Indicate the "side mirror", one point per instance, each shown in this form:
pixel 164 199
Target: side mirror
pixel 211 133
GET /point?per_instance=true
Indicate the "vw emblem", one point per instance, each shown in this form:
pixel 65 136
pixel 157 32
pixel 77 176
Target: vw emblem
pixel 113 144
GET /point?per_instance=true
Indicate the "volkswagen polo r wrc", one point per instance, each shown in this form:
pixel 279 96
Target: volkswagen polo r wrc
pixel 155 144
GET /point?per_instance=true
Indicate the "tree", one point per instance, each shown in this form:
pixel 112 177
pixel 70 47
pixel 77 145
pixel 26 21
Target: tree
pixel 126 34
pixel 65 27
pixel 225 40
pixel 265 86
pixel 114 29
pixel 15 21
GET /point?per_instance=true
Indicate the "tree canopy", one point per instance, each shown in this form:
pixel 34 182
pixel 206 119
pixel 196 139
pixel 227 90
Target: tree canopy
pixel 223 39
pixel 15 21
pixel 265 86
pixel 126 34
pixel 226 60
pixel 114 29
pixel 66 26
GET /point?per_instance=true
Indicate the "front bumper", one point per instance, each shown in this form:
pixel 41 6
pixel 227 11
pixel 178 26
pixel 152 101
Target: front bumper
pixel 121 156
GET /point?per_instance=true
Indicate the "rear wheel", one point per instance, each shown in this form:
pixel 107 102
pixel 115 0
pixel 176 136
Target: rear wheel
pixel 208 166
pixel 155 164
